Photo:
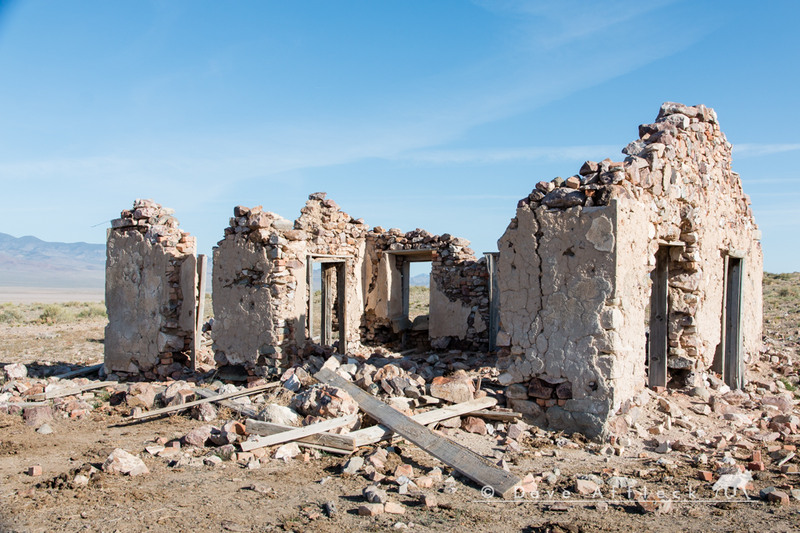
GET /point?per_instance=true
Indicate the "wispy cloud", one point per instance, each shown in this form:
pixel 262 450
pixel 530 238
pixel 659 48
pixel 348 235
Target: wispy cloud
pixel 502 155
pixel 757 150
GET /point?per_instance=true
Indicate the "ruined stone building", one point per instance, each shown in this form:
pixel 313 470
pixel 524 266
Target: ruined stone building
pixel 665 241
pixel 644 271
pixel 263 287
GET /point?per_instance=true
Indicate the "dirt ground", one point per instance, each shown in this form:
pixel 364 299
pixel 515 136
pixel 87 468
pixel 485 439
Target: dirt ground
pixel 291 496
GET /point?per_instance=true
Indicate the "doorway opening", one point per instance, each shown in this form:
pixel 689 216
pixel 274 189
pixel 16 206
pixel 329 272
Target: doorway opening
pixel 410 289
pixel 327 289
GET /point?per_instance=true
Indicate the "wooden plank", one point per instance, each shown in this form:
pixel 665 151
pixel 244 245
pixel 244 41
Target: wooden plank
pixel 326 325
pixel 80 372
pixel 405 276
pixel 504 416
pixel 659 315
pixel 297 433
pixel 494 299
pixel 202 265
pixel 72 391
pixel 733 360
pixel 341 299
pixel 329 440
pixel 374 434
pixel 328 449
pixel 233 406
pixel 25 404
pixel 187 405
pixel 464 460
pixel 310 285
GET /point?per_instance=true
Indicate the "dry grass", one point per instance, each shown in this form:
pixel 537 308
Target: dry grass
pixel 782 304
pixel 419 299
pixel 38 313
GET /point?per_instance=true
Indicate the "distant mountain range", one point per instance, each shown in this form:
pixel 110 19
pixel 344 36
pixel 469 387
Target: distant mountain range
pixel 32 262
pixel 420 280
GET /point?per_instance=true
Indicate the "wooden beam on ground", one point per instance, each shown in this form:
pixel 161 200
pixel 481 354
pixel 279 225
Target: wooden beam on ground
pixel 297 433
pixel 187 405
pixel 503 416
pixel 374 434
pixel 80 372
pixel 328 449
pixel 462 459
pixel 233 406
pixel 347 443
pixel 73 390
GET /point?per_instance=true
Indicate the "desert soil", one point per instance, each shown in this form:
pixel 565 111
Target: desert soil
pixel 290 496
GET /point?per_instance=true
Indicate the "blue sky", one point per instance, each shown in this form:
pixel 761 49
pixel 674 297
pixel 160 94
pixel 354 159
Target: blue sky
pixel 433 114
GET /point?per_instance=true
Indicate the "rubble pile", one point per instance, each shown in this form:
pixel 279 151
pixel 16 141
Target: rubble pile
pixel 718 437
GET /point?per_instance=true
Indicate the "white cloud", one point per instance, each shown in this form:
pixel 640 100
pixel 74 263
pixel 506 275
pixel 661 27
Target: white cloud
pixel 756 150
pixel 501 155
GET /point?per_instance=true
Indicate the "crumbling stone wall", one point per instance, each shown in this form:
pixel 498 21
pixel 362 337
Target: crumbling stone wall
pixel 260 280
pixel 459 295
pixel 151 273
pixel 261 290
pixel 575 264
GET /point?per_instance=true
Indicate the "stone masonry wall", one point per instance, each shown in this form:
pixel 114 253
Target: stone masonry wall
pixel 260 280
pixel 459 297
pixel 575 265
pixel 150 293
pixel 261 290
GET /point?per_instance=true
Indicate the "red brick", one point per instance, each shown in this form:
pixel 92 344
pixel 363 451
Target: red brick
pixel 705 475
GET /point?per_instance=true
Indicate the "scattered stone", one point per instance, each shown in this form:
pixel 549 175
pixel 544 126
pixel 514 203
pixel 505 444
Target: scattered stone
pixel 353 465
pixel 705 475
pixel 452 389
pixel 374 494
pixel 393 508
pixel 37 415
pixel 371 509
pixel 585 487
pixel 122 462
pixel 44 429
pixel 141 395
pixel 279 414
pixel 424 482
pixel 771 494
pixel 618 482
pixel 15 371
pixel 288 451
pixel 325 401
pixel 429 501
pixel 205 412
pixel 473 424
pixel 330 509
pixel 198 436
pixel 35 470
pixel 212 460
pixel 404 470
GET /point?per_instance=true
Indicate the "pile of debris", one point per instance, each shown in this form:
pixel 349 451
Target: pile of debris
pixel 732 439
